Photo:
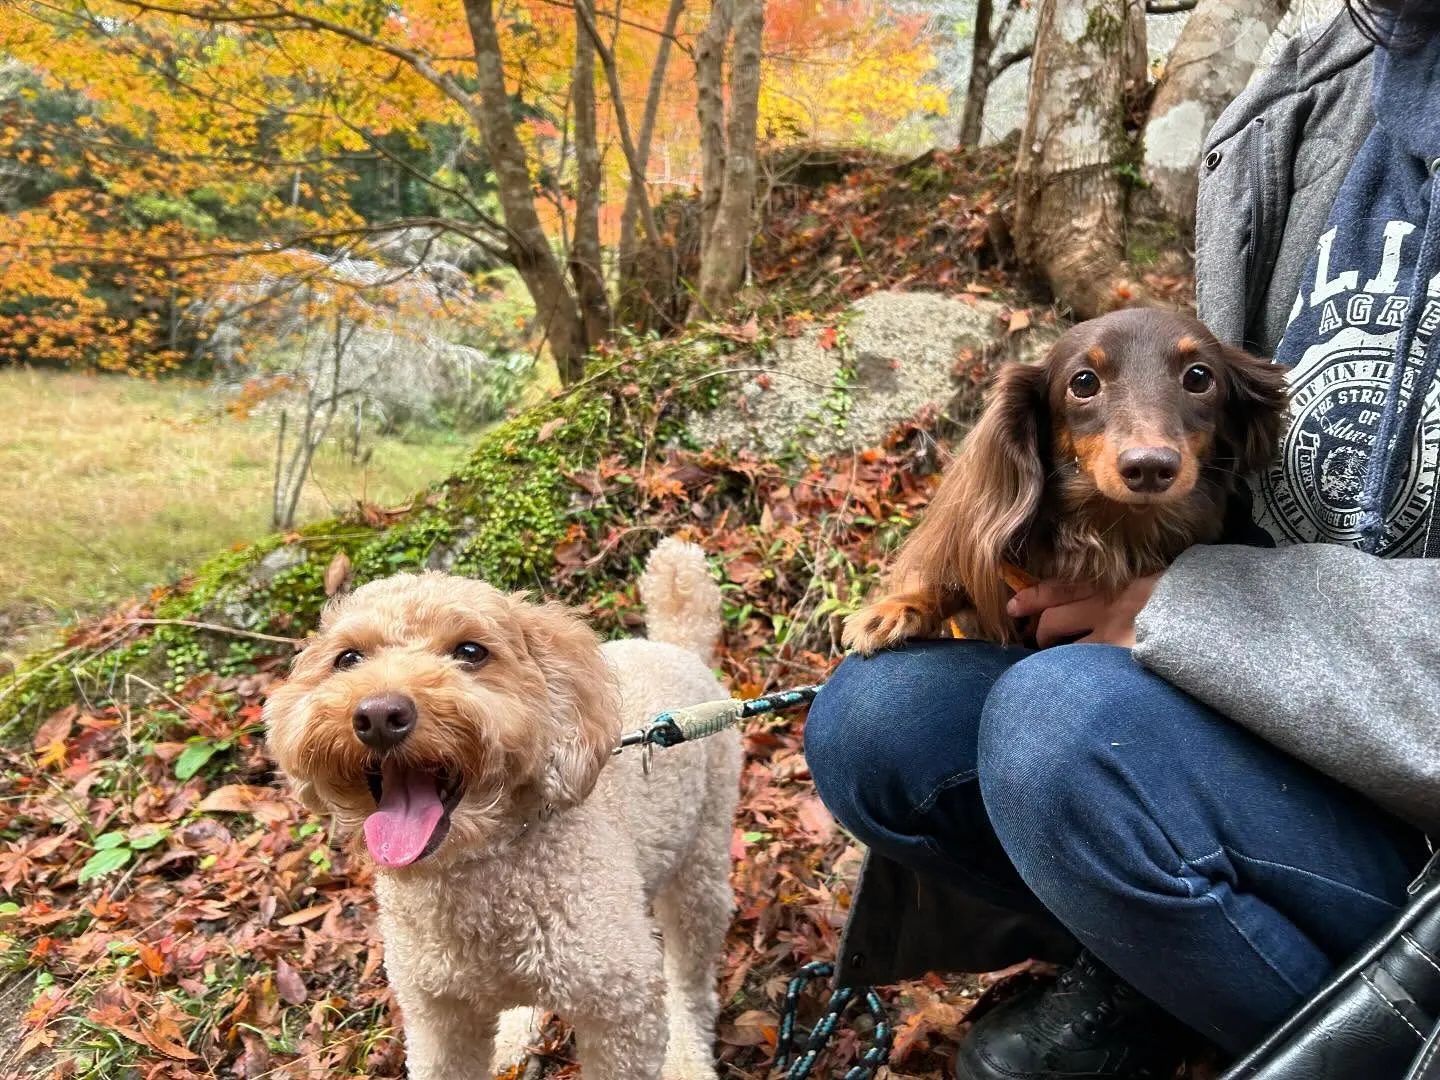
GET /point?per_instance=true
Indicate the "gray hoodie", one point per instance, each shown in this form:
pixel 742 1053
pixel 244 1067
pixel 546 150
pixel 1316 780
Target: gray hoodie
pixel 1329 652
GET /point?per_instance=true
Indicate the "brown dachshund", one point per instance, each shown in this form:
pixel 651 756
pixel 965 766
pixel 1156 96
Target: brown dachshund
pixel 1099 465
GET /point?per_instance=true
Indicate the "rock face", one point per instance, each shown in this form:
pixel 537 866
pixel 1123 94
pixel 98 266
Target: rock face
pixel 401 332
pixel 897 352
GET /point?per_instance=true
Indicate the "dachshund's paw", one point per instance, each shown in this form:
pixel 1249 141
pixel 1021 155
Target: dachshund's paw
pixel 885 624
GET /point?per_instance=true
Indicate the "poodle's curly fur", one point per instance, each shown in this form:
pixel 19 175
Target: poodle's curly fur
pixel 567 880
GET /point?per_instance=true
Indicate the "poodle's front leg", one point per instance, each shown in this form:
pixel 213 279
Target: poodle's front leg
pixel 447 1038
pixel 627 1040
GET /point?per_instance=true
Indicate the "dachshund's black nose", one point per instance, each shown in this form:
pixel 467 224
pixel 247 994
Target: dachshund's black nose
pixel 384 721
pixel 1149 469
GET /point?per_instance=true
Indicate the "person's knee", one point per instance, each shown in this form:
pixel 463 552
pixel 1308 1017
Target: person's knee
pixel 848 731
pixel 888 730
pixel 1047 740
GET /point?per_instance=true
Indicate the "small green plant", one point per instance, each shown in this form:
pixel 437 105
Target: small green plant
pixel 114 850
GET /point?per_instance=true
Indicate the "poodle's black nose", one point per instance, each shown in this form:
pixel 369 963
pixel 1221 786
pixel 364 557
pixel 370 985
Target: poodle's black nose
pixel 384 721
pixel 1151 469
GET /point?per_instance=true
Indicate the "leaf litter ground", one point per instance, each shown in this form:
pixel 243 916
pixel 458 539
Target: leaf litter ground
pixel 170 914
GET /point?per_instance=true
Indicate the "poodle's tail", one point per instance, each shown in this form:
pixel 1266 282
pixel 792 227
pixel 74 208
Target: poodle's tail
pixel 682 601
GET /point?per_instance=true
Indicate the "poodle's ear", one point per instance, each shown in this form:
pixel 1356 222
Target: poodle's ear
pixel 1255 409
pixel 583 701
pixel 987 499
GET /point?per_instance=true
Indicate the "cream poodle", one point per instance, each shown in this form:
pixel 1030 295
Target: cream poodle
pixel 467 735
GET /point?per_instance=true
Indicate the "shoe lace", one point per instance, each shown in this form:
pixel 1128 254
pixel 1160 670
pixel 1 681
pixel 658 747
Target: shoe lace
pixel 1081 1001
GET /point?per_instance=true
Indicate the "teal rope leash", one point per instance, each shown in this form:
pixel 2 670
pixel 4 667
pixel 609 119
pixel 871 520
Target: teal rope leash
pixel 804 1065
pixel 709 717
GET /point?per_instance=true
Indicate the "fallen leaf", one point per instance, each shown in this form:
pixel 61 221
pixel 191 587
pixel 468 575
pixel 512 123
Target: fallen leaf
pixel 153 959
pixel 56 729
pixel 289 983
pixel 245 799
pixel 815 819
pixel 548 429
pixel 305 915
pixel 828 337
pixel 337 574
pixel 754 1027
pixel 1019 320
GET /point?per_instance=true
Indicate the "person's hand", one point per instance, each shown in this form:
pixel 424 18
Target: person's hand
pixel 1079 612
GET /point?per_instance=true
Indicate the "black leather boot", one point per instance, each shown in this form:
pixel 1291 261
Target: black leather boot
pixel 1087 1023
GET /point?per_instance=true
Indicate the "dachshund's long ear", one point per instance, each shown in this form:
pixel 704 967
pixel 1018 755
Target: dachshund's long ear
pixel 987 499
pixel 1255 409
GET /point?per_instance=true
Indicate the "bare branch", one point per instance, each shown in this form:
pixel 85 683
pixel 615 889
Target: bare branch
pixel 1008 60
pixel 666 34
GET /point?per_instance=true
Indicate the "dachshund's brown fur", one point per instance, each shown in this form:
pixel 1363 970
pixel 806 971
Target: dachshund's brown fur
pixel 1039 484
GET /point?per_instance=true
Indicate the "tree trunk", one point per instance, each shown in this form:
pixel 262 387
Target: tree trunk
pixel 1070 197
pixel 978 87
pixel 710 106
pixel 585 267
pixel 722 260
pixel 647 132
pixel 1211 63
pixel 528 246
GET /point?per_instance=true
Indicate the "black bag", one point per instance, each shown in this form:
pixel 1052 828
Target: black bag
pixel 1378 1018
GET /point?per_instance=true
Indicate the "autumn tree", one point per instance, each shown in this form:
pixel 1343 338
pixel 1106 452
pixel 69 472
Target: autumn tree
pixel 988 61
pixel 1093 137
pixel 728 145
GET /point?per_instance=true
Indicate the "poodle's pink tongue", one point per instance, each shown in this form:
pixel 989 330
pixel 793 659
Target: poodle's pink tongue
pixel 410 809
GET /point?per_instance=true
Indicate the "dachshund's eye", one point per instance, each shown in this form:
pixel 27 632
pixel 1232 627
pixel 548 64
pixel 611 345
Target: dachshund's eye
pixel 1197 379
pixel 348 659
pixel 471 653
pixel 1084 384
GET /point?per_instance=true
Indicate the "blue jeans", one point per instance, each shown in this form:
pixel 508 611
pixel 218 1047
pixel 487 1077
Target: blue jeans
pixel 1219 877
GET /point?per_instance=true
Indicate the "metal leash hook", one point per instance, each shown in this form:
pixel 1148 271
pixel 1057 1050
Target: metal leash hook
pixel 710 717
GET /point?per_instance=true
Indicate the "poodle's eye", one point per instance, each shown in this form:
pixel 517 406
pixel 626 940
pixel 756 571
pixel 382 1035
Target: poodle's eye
pixel 1085 384
pixel 471 653
pixel 1197 379
pixel 348 659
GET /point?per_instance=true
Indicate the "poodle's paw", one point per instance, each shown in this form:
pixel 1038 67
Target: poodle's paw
pixel 689 1068
pixel 519 1028
pixel 887 623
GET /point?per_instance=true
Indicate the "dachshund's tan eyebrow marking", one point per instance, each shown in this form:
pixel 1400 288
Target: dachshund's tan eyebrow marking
pixel 1187 344
pixel 1096 354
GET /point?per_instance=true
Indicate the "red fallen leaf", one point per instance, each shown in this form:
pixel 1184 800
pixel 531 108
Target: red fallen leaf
pixel 763 381
pixel 815 819
pixel 548 429
pixel 57 728
pixel 289 983
pixel 828 337
pixel 337 574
